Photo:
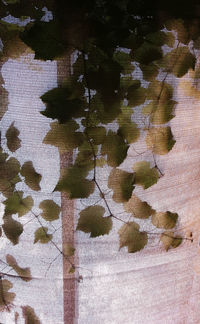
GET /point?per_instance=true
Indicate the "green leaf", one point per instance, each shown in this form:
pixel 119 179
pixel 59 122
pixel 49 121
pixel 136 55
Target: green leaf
pixel 179 61
pixel 13 141
pixel 169 240
pixel 64 136
pixel 144 175
pixel 30 315
pixel 12 229
pixel 97 134
pixel 160 140
pixel 124 60
pixel 147 53
pixel 162 106
pixel 122 184
pixel 127 128
pixel 74 183
pixel 32 178
pixel 150 71
pixel 136 94
pixel 17 204
pixel 24 273
pixel 92 221
pixel 139 209
pixel 45 39
pixel 115 148
pixel 166 220
pixel 62 105
pixel 6 297
pixel 68 249
pixel 50 209
pixel 42 236
pixel 161 38
pixel 131 237
pixel 8 174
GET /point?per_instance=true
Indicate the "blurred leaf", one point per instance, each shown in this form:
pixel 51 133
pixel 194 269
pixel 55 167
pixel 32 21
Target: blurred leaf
pixel 122 184
pixel 161 38
pixel 169 240
pixel 42 236
pixel 64 136
pixel 160 140
pixel 74 183
pixel 6 297
pixel 178 26
pixel 50 209
pixel 17 204
pixel 68 250
pixel 147 53
pixel 12 229
pixel 97 134
pixel 30 315
pixel 92 221
pixel 166 220
pixel 127 128
pixel 124 61
pixel 32 178
pixel 144 175
pixel 24 273
pixel 62 105
pixel 150 71
pixel 139 209
pixel 131 237
pixel 179 61
pixel 136 94
pixel 13 141
pixel 115 148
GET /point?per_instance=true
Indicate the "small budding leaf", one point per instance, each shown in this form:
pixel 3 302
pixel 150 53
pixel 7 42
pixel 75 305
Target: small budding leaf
pixel 139 209
pixel 13 141
pixel 122 184
pixel 24 273
pixel 30 315
pixel 17 204
pixel 32 178
pixel 165 220
pixel 42 236
pixel 115 148
pixel 170 241
pixel 6 297
pixel 160 140
pixel 68 250
pixel 92 221
pixel 12 229
pixel 64 136
pixel 144 175
pixel 131 237
pixel 50 209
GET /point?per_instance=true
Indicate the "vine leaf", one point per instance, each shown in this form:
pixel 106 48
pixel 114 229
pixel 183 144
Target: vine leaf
pixel 92 221
pixel 149 72
pixel 161 107
pixel 160 140
pixel 68 250
pixel 8 174
pixel 124 61
pixel 6 297
pixel 115 148
pixel 74 183
pixel 12 229
pixel 179 61
pixel 50 209
pixel 42 236
pixel 131 237
pixel 144 175
pixel 136 95
pixel 161 38
pixel 64 136
pixel 32 178
pixel 17 204
pixel 127 128
pixel 122 184
pixel 97 134
pixel 24 273
pixel 13 141
pixel 170 241
pixel 139 209
pixel 30 315
pixel 165 220
pixel 147 53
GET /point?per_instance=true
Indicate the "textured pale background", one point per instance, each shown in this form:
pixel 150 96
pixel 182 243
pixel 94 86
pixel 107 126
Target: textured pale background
pixel 148 287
